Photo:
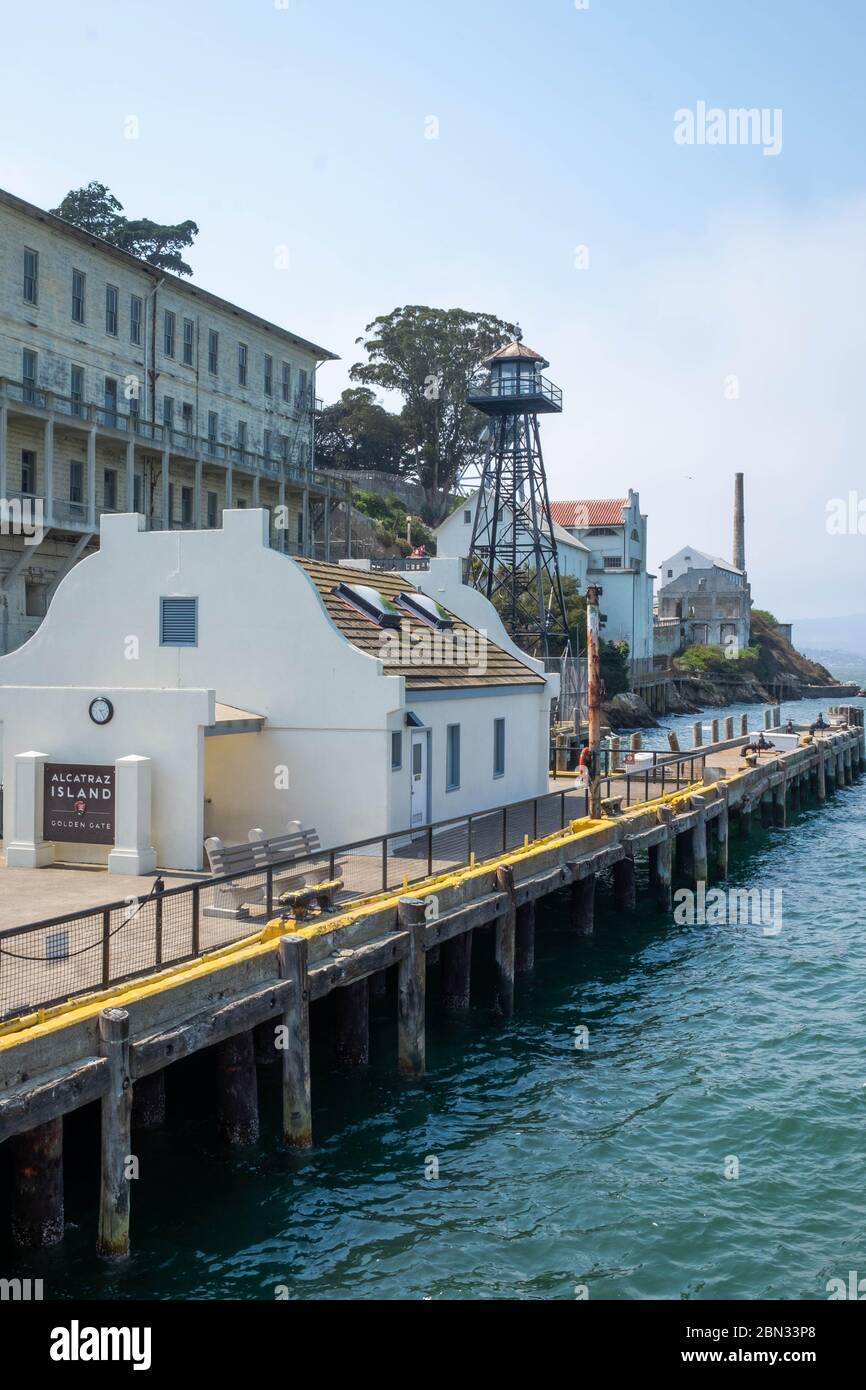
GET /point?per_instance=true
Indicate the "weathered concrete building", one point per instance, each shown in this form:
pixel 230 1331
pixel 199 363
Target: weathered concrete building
pixel 125 388
pixel 708 596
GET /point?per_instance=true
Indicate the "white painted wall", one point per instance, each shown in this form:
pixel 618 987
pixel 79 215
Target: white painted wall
pixel 265 645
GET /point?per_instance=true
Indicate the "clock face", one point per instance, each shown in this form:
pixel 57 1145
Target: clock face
pixel 101 710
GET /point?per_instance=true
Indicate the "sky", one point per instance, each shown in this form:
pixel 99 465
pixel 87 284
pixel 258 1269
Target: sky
pixel 701 303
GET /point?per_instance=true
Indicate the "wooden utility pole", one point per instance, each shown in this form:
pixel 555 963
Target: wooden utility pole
pixel 593 680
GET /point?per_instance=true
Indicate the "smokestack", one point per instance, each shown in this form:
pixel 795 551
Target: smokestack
pixel 739 557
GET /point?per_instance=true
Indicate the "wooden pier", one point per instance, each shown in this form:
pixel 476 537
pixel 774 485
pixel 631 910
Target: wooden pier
pixel 114 1047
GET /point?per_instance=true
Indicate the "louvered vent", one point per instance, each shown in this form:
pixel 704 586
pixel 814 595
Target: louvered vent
pixel 178 622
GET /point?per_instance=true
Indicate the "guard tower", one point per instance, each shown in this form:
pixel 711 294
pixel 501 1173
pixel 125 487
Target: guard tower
pixel 513 549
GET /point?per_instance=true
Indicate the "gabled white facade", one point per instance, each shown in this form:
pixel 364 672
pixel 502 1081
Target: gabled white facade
pixel 265 645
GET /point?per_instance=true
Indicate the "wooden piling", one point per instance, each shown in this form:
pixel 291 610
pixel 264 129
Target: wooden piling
pixel 701 869
pixel 505 930
pixel 767 809
pixel 729 727
pixel 455 971
pixel 116 1133
pixel 37 1186
pixel 697 734
pixel 148 1101
pixel 237 1089
pixel 524 955
pixel 295 1044
pixel 744 724
pixel 685 847
pixel 780 811
pixel 745 819
pixel 352 1024
pixel 583 905
pixel 722 835
pixel 664 862
pixel 714 731
pixel 624 882
pixel 412 990
pixel 379 984
pixel 264 1042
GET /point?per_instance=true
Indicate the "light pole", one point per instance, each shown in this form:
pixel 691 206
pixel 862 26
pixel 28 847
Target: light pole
pixel 593 681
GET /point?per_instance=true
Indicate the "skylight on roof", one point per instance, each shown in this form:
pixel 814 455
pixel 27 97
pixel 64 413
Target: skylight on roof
pixel 426 608
pixel 371 603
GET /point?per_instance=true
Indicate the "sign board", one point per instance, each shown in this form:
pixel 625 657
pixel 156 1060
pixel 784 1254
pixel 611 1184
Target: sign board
pixel 79 803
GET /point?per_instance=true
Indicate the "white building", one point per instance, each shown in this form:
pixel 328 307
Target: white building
pixel 125 388
pixel 707 596
pixel 263 696
pixel 615 532
pixel 454 537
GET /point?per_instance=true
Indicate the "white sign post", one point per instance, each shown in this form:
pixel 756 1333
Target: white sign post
pixel 28 850
pixel 133 853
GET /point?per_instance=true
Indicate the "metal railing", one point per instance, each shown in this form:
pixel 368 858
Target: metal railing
pixel 44 963
pixel 665 773
pixel 491 386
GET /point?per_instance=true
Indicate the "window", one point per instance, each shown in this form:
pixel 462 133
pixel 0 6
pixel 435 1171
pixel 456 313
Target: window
pixel 187 418
pixel 452 757
pixel 242 435
pixel 467 518
pixel 136 313
pixel 396 749
pixel 76 390
pixel 287 382
pixel 178 622
pixel 242 501
pixel 168 323
pixel 212 509
pixel 301 529
pixel 670 574
pixel 111 401
pixel 499 748
pixel 109 489
pixel 302 387
pixel 284 448
pixel 266 444
pixel 31 276
pixel 213 352
pixel 168 411
pixel 212 425
pixel 137 493
pixel 188 327
pixel 427 609
pixel 111 298
pixel 35 598
pixel 76 481
pixel 28 471
pixel 371 603
pixel 613 562
pixel 242 364
pixel 269 375
pixel 186 506
pixel 78 296
pixel 170 504
pixel 29 368
pixel 134 405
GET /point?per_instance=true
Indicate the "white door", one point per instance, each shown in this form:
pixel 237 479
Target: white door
pixel 419 778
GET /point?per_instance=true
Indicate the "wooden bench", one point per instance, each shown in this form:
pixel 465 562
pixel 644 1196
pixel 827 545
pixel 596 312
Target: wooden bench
pixel 256 856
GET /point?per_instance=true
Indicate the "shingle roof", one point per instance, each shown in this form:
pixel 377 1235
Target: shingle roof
pixel 501 668
pixel 605 511
pixel 517 351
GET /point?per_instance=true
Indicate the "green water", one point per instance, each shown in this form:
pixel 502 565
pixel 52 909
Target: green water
pixel 558 1167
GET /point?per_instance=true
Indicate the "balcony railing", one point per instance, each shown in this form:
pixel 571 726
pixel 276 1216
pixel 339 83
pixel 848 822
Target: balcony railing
pixel 492 387
pixel 184 443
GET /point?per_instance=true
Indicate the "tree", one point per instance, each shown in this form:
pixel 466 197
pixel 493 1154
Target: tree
pixel 358 433
pixel 428 356
pixel 95 209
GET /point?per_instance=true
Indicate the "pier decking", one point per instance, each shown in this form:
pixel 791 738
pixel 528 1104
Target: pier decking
pixel 114 1045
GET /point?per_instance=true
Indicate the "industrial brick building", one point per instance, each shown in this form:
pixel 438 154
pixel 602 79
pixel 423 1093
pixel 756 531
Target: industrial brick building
pixel 124 388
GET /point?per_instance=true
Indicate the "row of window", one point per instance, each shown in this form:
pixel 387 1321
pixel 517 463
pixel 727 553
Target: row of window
pixel 29 377
pixel 169 331
pixel 452 753
pixel 110 494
